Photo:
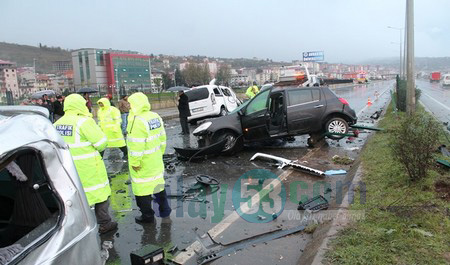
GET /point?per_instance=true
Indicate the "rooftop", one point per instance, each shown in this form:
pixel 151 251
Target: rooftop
pixel 107 50
pixel 6 62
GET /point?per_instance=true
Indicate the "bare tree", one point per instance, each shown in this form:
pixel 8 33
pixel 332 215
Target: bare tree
pixel 223 75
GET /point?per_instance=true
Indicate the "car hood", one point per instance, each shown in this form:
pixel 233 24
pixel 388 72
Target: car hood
pixel 231 121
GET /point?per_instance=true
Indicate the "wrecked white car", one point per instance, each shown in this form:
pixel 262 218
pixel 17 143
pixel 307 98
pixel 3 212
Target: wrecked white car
pixel 45 217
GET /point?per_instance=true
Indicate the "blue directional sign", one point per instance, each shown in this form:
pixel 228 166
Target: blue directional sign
pixel 316 56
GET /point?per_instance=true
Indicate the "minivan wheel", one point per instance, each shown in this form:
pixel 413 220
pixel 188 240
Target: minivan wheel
pixel 336 125
pixel 223 111
pixel 234 142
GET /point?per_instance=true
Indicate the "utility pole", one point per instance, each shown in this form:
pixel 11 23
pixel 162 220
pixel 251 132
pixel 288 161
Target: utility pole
pixel 410 76
pixel 150 72
pixel 174 77
pixel 401 72
pixel 34 75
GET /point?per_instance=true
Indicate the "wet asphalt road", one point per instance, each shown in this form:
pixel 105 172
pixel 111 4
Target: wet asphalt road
pixel 192 219
pixel 436 98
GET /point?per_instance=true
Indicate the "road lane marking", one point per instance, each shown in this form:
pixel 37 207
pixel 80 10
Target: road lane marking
pixel 197 247
pixel 363 109
pixel 440 103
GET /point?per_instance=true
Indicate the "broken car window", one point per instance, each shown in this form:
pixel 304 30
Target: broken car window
pixel 29 208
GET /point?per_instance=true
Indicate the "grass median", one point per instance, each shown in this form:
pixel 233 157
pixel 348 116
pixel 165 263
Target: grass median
pixel 405 222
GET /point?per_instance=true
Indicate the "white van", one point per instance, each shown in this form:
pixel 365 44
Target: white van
pixel 211 100
pixel 446 80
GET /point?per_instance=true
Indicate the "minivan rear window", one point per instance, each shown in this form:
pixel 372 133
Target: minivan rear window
pixel 197 94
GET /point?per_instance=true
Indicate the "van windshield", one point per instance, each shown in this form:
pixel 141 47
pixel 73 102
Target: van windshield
pixel 197 94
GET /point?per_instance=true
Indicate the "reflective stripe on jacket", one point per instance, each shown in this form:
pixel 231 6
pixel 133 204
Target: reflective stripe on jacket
pixel 146 141
pixel 85 140
pixel 109 120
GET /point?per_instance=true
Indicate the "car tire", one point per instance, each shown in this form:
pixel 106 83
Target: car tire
pixel 223 111
pixel 234 142
pixel 336 125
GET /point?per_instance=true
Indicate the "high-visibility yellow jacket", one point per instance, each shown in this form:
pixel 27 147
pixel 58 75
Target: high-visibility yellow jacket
pixel 85 140
pixel 146 141
pixel 252 91
pixel 109 120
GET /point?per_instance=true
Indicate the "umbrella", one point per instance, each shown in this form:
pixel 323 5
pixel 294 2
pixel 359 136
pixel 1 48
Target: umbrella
pixel 86 90
pixel 178 88
pixel 39 94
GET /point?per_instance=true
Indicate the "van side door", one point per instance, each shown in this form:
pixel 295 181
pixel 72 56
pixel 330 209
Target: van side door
pixel 219 99
pixel 305 109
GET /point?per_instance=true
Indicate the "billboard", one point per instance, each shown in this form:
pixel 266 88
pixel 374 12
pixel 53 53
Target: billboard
pixel 316 56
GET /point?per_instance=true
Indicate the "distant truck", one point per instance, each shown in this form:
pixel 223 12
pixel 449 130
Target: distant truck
pixel 435 77
pixel 361 77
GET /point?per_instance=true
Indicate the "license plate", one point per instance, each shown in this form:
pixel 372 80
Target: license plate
pixel 197 109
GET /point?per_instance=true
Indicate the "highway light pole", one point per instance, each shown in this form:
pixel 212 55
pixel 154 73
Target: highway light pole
pixel 400 43
pixel 410 77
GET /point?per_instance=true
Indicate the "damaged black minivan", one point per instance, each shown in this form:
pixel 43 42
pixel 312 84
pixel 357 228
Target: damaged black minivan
pixel 282 110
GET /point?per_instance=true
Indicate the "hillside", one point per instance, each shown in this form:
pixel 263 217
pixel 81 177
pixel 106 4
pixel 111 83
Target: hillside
pixel 23 55
pixel 422 63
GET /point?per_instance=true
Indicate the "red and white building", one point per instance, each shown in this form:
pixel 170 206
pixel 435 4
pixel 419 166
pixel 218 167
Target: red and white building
pixel 8 79
pixel 107 70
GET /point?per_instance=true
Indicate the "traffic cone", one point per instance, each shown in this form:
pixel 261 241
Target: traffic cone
pixel 369 102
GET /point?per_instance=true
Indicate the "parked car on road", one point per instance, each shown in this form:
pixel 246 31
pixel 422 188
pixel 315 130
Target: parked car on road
pixel 45 217
pixel 210 101
pixel 446 80
pixel 285 109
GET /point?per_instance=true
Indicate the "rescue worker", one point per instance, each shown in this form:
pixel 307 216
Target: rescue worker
pixel 252 91
pixel 146 143
pixel 109 120
pixel 85 140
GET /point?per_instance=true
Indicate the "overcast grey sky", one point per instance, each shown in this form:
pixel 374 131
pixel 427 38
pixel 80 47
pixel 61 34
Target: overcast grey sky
pixel 347 30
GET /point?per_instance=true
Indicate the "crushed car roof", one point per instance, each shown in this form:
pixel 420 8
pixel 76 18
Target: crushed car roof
pixel 23 125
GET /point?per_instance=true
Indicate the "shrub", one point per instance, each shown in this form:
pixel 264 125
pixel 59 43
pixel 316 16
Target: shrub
pixel 413 142
pixel 400 95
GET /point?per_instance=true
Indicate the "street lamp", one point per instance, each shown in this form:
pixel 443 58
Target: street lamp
pixel 400 34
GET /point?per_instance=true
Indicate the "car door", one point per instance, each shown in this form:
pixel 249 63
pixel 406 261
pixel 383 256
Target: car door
pixel 255 118
pixel 305 109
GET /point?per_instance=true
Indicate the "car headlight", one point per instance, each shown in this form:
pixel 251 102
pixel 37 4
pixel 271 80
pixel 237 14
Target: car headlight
pixel 202 127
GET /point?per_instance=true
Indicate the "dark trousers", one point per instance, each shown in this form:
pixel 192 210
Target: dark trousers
pixel 102 213
pixel 124 150
pixel 145 204
pixel 184 125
